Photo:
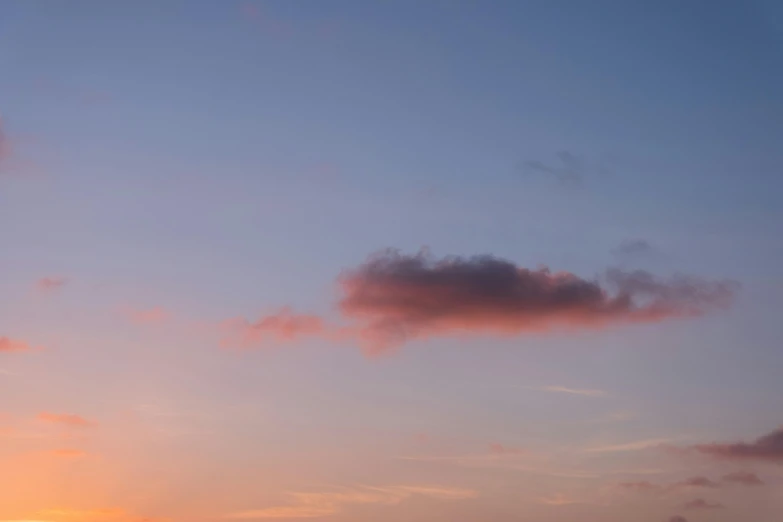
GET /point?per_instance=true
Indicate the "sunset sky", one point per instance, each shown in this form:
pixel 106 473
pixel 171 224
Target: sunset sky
pixel 391 261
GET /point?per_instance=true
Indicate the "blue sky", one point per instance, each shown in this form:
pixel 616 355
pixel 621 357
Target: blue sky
pixel 223 159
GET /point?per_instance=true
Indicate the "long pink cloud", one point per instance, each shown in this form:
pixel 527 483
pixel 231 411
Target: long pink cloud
pixel 14 345
pixel 394 298
pixel 397 298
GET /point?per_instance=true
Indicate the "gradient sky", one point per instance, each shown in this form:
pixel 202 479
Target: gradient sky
pixel 190 193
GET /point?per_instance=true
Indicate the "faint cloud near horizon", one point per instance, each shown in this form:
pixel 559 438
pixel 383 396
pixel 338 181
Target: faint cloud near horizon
pixel 630 446
pixel 570 391
pixel 312 505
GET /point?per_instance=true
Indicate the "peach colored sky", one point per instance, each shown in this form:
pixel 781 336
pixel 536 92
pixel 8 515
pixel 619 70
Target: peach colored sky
pixel 429 261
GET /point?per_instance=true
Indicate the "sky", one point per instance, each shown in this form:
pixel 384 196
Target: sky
pixel 442 261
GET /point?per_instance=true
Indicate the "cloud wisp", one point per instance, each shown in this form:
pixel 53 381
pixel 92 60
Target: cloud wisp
pixel 313 505
pixel 743 478
pixel 65 419
pixel 701 504
pixel 571 391
pixel 148 316
pixel 50 284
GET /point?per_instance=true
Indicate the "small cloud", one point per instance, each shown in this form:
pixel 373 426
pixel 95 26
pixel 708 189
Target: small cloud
pixel 700 504
pixel 156 315
pixel 641 487
pixel 697 482
pixel 284 325
pixel 630 446
pixel 568 168
pixel 634 248
pixel 678 518
pixel 50 284
pixel 573 391
pixel 14 345
pixel 500 449
pixel 767 448
pixel 558 500
pixel 744 478
pixel 68 453
pixel 64 419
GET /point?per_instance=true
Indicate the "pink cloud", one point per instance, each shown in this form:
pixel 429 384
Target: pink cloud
pixel 156 315
pixel 767 448
pixel 701 504
pixel 500 449
pixel 397 298
pixel 68 453
pixel 745 478
pixel 282 326
pixel 50 284
pixel 13 345
pixel 65 419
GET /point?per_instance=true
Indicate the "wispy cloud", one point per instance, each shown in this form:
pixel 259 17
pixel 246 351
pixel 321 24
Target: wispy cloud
pixel 571 391
pixel 284 325
pixel 148 316
pixel 68 453
pixel 630 446
pixel 634 248
pixel 500 449
pixel 745 478
pixel 14 345
pixel 701 504
pixel 312 505
pixel 65 419
pixel 51 284
pixel 558 499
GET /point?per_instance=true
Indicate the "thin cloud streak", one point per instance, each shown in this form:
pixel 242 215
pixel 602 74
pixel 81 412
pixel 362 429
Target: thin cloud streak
pixel 572 391
pixel 65 419
pixel 630 446
pixel 312 505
